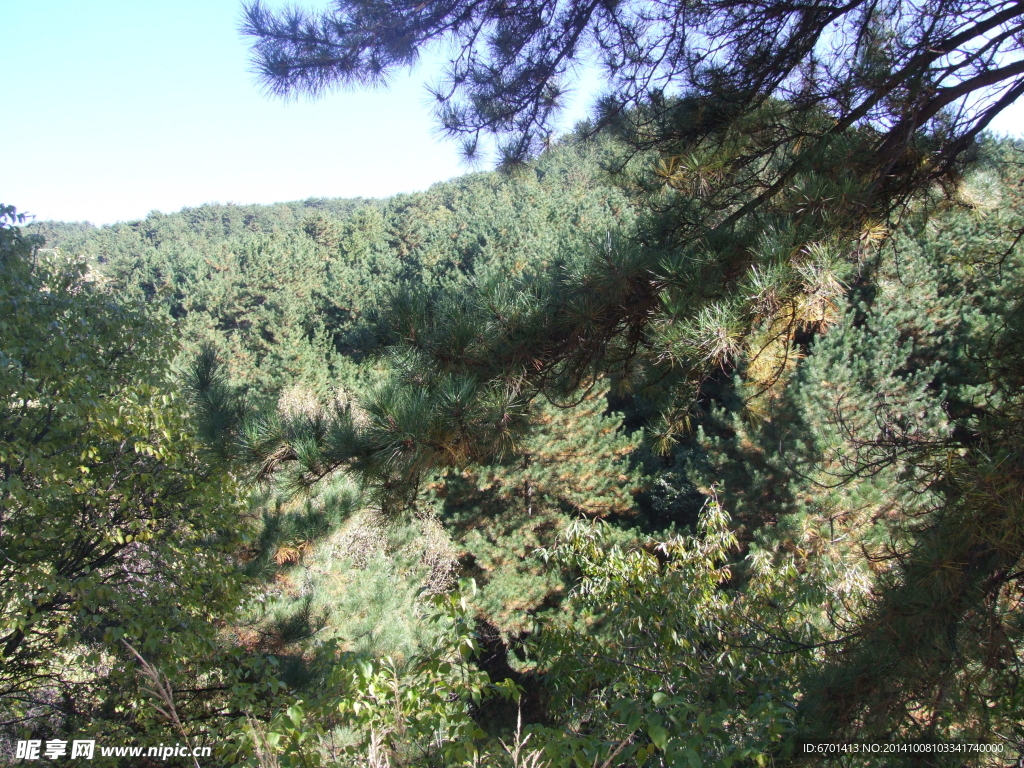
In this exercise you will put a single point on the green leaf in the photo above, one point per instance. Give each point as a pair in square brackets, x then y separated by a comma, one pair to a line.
[658, 736]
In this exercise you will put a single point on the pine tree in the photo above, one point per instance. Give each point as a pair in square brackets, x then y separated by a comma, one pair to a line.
[574, 463]
[877, 468]
[784, 143]
[895, 70]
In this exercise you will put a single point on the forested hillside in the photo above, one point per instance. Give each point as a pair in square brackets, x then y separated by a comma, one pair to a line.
[293, 292]
[691, 438]
[402, 583]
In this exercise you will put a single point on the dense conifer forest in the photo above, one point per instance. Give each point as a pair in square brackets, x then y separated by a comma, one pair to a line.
[689, 438]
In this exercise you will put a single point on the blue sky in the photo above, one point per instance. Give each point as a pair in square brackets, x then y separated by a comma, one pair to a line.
[114, 108]
[126, 106]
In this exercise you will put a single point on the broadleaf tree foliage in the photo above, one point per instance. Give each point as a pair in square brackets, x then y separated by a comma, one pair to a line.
[111, 526]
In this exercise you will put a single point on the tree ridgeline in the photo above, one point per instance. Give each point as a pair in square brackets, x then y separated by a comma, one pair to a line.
[294, 292]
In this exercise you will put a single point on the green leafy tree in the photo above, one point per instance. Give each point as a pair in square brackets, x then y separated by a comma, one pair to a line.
[658, 662]
[414, 711]
[111, 526]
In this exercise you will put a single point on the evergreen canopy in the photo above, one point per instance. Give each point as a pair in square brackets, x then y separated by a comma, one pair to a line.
[785, 157]
[786, 140]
